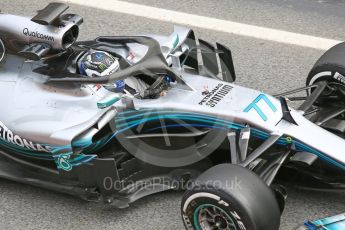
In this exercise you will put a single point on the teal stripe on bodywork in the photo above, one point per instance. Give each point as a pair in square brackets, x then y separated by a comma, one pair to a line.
[216, 121]
[329, 223]
[130, 119]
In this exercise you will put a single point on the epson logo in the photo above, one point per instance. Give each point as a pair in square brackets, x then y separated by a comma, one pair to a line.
[36, 34]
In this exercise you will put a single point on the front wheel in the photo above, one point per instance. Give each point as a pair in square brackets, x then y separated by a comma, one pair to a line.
[230, 197]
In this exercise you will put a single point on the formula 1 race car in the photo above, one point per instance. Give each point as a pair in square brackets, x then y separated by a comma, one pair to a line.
[121, 117]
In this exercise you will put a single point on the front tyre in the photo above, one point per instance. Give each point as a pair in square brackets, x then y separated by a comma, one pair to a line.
[230, 197]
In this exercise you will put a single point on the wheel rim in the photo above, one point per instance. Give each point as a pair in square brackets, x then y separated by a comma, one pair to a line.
[211, 217]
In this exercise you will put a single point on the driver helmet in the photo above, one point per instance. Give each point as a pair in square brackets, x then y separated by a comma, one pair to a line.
[98, 64]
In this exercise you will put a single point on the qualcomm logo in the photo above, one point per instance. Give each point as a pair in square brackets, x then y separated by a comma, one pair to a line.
[254, 106]
[37, 34]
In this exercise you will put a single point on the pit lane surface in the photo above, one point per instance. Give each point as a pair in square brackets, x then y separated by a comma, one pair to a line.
[261, 64]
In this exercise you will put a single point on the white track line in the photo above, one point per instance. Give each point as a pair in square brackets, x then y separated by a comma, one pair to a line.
[210, 23]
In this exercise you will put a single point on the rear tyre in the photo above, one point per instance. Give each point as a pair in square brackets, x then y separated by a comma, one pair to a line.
[230, 197]
[330, 67]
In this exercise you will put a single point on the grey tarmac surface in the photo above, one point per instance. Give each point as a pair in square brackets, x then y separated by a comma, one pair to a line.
[268, 66]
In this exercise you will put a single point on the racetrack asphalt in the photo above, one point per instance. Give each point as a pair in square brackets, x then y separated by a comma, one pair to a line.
[269, 66]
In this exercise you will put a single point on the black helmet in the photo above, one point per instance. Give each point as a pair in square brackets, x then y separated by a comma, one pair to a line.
[98, 63]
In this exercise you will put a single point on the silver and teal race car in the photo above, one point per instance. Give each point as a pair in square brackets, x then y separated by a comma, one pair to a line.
[118, 118]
